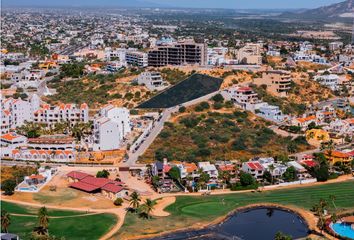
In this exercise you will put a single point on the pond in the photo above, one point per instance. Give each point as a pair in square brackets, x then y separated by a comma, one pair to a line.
[252, 224]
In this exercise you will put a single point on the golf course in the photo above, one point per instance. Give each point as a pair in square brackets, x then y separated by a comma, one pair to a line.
[62, 224]
[190, 211]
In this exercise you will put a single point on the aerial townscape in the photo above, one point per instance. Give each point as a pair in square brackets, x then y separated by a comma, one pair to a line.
[177, 120]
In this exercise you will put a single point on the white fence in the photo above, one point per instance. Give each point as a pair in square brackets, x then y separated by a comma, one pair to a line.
[307, 181]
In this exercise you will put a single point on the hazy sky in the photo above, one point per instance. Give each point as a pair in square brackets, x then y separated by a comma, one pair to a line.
[257, 4]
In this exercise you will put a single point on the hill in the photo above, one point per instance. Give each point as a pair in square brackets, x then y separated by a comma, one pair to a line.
[216, 131]
[339, 10]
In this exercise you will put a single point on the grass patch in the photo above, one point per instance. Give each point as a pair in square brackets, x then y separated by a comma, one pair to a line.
[189, 211]
[68, 227]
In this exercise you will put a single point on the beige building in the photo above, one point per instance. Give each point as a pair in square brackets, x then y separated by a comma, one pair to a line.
[277, 82]
[250, 54]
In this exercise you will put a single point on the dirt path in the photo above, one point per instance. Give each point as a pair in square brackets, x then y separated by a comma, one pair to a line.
[70, 216]
[161, 205]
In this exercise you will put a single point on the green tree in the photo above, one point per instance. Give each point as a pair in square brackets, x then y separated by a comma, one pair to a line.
[148, 207]
[290, 174]
[282, 236]
[102, 174]
[175, 173]
[8, 186]
[5, 221]
[118, 202]
[43, 218]
[218, 98]
[246, 179]
[135, 200]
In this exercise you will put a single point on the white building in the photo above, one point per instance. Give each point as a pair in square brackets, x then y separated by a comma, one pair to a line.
[11, 141]
[330, 81]
[136, 58]
[271, 113]
[250, 54]
[245, 97]
[16, 111]
[71, 113]
[209, 168]
[110, 128]
[254, 168]
[152, 80]
[216, 55]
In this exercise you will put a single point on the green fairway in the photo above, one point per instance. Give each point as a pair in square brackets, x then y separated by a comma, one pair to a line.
[189, 211]
[69, 225]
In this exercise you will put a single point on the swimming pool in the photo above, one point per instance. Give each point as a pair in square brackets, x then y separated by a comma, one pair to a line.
[344, 230]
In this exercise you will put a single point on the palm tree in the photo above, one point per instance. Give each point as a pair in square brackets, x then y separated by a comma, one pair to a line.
[43, 218]
[333, 198]
[271, 169]
[5, 221]
[135, 200]
[148, 206]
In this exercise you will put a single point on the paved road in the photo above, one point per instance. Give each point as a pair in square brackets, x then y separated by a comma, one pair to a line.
[158, 126]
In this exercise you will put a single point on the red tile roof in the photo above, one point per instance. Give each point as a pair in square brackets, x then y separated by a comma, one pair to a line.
[227, 167]
[78, 175]
[166, 168]
[309, 163]
[110, 187]
[98, 182]
[10, 136]
[255, 166]
[84, 186]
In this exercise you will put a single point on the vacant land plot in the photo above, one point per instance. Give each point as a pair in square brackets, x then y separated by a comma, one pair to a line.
[66, 224]
[195, 211]
[193, 87]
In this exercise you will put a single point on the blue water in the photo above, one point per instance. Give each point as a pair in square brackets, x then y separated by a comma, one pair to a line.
[253, 224]
[343, 230]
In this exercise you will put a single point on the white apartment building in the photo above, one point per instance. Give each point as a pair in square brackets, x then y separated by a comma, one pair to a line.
[136, 58]
[16, 111]
[11, 141]
[152, 80]
[216, 55]
[110, 127]
[330, 81]
[51, 115]
[250, 54]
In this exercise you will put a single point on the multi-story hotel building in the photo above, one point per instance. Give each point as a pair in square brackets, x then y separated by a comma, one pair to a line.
[180, 53]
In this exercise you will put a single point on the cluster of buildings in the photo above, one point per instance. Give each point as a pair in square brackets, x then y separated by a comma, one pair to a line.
[110, 127]
[16, 112]
[85, 182]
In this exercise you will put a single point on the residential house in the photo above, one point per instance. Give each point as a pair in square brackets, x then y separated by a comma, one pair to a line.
[209, 168]
[331, 81]
[335, 156]
[254, 168]
[278, 82]
[270, 112]
[152, 80]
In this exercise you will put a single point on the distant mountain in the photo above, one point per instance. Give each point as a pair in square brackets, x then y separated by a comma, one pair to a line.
[79, 3]
[339, 10]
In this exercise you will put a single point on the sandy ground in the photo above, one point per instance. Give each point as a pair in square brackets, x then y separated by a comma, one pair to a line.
[161, 205]
[70, 199]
